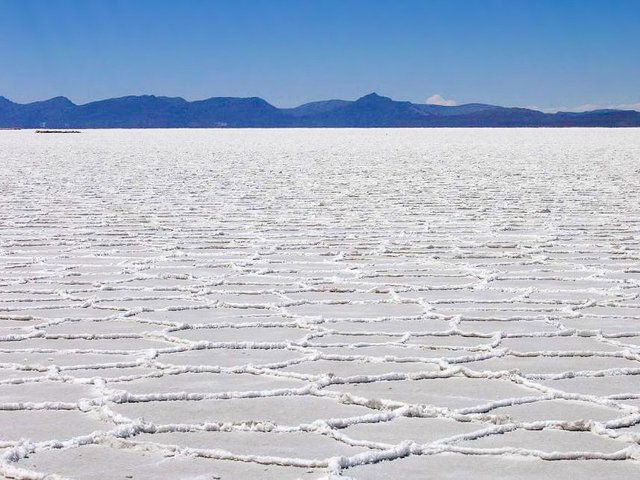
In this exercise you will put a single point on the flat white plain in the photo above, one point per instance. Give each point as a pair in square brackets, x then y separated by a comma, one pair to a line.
[281, 304]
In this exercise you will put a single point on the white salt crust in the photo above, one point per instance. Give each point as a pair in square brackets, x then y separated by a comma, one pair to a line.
[320, 304]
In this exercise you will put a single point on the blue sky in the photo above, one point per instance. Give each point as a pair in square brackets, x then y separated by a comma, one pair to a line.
[560, 53]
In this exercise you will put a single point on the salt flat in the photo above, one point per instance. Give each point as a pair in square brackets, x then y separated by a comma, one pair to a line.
[283, 304]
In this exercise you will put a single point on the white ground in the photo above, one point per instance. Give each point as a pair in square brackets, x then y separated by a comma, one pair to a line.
[281, 304]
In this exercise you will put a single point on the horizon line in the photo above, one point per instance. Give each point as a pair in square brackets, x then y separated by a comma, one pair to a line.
[585, 108]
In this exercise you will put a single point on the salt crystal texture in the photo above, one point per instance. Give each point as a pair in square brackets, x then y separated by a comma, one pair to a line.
[364, 304]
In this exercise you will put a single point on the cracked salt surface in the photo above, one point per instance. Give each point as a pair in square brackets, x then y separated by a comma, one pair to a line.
[284, 304]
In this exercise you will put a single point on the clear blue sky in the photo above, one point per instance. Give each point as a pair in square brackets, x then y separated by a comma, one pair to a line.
[541, 53]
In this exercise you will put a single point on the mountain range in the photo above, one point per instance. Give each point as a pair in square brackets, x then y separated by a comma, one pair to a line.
[149, 111]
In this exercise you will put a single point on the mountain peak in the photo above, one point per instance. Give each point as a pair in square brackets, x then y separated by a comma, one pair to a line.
[373, 97]
[59, 101]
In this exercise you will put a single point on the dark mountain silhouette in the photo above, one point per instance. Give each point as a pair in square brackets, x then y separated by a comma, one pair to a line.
[235, 112]
[149, 111]
[370, 111]
[145, 111]
[316, 107]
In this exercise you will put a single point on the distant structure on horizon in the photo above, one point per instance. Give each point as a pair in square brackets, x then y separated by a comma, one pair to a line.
[149, 111]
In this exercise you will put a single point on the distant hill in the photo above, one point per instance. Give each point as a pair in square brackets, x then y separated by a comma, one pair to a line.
[149, 111]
